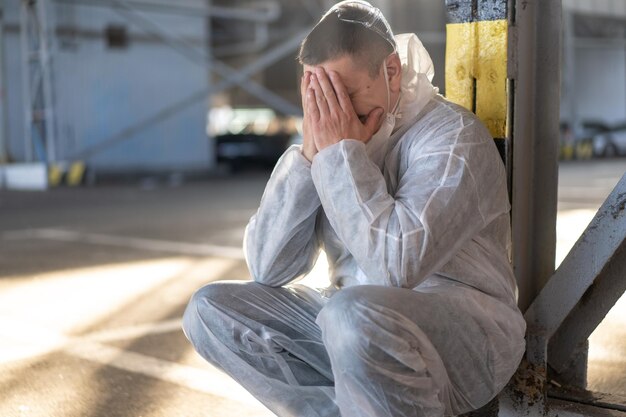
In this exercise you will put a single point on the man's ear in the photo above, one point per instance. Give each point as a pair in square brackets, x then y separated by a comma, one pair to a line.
[394, 71]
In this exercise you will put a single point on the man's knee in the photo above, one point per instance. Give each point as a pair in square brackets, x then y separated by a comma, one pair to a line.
[346, 318]
[200, 310]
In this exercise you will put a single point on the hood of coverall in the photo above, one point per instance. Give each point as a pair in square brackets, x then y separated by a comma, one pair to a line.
[417, 74]
[416, 90]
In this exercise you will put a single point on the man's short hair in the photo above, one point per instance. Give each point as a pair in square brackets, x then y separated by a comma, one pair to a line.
[333, 38]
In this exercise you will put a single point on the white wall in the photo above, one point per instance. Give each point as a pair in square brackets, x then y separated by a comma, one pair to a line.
[601, 84]
[596, 88]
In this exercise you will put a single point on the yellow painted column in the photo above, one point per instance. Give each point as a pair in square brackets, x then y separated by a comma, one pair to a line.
[476, 70]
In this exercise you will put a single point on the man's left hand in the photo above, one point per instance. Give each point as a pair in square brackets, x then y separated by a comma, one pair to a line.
[332, 113]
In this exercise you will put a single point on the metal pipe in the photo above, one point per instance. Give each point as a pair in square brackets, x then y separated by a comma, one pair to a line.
[208, 46]
[26, 93]
[260, 42]
[535, 144]
[261, 11]
[46, 64]
[3, 145]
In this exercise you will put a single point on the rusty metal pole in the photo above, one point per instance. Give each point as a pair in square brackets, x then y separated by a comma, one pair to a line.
[536, 63]
[535, 58]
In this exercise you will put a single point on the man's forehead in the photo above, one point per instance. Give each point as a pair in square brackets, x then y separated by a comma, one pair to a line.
[354, 78]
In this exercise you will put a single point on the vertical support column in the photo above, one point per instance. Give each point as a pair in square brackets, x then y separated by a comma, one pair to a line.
[537, 89]
[26, 80]
[3, 127]
[569, 69]
[39, 126]
[46, 72]
[209, 55]
[536, 86]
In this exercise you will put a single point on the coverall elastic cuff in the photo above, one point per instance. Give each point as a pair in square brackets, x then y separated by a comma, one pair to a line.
[299, 164]
[294, 168]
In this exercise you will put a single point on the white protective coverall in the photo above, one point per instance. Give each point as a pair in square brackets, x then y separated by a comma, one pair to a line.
[420, 318]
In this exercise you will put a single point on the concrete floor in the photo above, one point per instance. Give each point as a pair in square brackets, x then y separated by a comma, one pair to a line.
[93, 283]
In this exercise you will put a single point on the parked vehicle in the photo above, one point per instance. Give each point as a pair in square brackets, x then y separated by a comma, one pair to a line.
[583, 137]
[610, 143]
[250, 150]
[249, 137]
[588, 128]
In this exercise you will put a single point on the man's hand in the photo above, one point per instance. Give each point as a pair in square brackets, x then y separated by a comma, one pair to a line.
[308, 144]
[332, 116]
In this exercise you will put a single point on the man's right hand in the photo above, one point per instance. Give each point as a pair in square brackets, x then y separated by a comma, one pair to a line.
[308, 143]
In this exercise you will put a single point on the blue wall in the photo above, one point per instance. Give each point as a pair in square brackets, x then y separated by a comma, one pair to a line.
[99, 91]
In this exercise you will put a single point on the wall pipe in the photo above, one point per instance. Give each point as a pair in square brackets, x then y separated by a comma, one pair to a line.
[263, 11]
[4, 157]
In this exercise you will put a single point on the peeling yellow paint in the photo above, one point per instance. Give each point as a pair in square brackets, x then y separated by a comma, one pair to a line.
[476, 62]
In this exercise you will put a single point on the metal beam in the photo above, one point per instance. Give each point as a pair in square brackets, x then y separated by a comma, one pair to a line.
[312, 7]
[265, 11]
[259, 42]
[200, 58]
[587, 284]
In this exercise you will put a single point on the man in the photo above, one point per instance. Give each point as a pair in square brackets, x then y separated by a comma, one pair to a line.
[406, 194]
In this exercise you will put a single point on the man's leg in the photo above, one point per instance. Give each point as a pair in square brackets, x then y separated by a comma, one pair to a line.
[398, 352]
[266, 339]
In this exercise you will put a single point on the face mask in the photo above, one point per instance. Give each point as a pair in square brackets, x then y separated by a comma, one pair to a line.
[376, 147]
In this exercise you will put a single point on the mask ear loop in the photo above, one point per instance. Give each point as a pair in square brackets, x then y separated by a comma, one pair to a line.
[387, 85]
[395, 107]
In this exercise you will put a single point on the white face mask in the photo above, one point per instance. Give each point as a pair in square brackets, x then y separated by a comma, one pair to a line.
[376, 147]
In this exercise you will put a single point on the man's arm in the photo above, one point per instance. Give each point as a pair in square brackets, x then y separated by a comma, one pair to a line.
[280, 241]
[441, 202]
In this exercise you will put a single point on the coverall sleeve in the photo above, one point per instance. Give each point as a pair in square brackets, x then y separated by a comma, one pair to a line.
[440, 203]
[280, 241]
